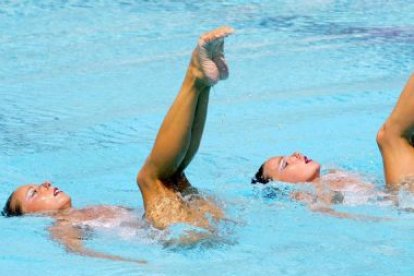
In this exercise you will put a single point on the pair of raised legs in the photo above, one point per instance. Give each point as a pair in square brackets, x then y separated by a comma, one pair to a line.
[162, 178]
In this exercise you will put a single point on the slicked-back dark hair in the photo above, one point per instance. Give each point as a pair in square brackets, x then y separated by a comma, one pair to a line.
[8, 211]
[259, 178]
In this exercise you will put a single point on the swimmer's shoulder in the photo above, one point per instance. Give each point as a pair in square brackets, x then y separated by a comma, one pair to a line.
[344, 181]
[95, 212]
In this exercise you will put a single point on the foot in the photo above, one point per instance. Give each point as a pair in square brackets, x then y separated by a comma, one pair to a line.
[208, 57]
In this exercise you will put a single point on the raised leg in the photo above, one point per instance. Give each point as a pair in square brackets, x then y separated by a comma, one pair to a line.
[197, 129]
[174, 137]
[394, 139]
[180, 133]
[210, 54]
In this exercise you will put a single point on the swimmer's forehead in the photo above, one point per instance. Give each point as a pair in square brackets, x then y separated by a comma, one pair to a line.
[24, 189]
[26, 186]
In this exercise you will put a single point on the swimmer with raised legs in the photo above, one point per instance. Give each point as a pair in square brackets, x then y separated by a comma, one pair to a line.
[167, 194]
[395, 141]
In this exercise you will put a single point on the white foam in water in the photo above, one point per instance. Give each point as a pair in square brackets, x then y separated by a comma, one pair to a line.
[129, 226]
[405, 198]
[125, 223]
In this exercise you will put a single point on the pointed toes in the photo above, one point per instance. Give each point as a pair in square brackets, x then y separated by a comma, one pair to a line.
[217, 34]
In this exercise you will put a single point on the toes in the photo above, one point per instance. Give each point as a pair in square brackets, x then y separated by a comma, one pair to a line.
[211, 55]
[224, 31]
[219, 33]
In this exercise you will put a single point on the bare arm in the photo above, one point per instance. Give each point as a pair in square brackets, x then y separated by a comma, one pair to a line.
[71, 239]
[327, 210]
[323, 205]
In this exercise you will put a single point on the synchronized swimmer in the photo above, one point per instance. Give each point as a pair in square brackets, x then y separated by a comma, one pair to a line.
[395, 142]
[168, 196]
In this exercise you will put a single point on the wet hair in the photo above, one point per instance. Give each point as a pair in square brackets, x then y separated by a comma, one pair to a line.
[259, 177]
[8, 211]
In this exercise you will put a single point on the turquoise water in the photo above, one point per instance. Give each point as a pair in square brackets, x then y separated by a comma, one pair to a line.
[84, 86]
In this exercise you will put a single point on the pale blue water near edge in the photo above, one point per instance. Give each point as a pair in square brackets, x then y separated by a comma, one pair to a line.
[84, 86]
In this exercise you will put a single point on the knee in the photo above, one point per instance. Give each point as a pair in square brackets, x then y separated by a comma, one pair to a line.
[142, 178]
[381, 136]
[386, 135]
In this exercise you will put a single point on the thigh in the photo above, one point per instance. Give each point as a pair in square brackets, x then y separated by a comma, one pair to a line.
[398, 160]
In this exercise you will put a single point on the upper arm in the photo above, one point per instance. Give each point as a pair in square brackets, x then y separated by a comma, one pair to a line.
[304, 197]
[326, 210]
[68, 236]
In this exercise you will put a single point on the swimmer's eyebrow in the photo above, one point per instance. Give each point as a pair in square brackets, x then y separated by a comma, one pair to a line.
[281, 163]
[28, 191]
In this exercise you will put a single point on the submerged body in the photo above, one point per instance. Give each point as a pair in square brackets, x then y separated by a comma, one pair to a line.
[181, 206]
[97, 216]
[340, 187]
[72, 226]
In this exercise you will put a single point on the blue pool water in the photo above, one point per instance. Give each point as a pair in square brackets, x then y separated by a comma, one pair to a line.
[84, 86]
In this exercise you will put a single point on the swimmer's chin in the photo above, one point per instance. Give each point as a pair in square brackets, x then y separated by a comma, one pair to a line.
[65, 209]
[316, 177]
[66, 205]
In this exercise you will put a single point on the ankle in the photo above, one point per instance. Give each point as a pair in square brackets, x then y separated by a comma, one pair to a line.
[197, 74]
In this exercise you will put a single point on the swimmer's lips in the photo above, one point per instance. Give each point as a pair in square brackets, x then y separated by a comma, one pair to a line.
[56, 191]
[307, 160]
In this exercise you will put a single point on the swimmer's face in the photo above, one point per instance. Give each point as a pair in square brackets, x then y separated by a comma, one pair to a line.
[293, 168]
[40, 198]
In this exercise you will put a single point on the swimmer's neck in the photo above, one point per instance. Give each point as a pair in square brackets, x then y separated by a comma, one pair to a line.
[62, 213]
[316, 180]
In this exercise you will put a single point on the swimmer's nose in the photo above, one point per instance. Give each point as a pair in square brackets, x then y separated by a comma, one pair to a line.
[46, 184]
[299, 156]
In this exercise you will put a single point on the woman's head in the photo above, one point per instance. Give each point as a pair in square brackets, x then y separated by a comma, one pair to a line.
[291, 168]
[34, 198]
